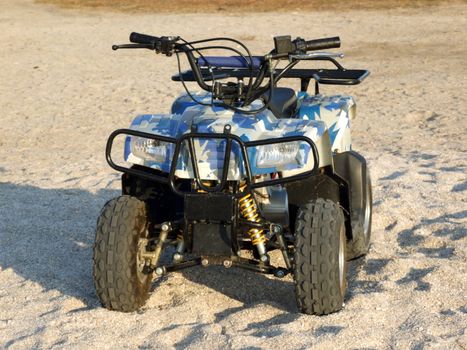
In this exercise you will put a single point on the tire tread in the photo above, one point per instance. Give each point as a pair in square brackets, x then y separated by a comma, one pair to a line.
[119, 228]
[317, 238]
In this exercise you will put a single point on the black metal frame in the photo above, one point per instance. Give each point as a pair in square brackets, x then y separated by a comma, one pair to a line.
[235, 261]
[189, 137]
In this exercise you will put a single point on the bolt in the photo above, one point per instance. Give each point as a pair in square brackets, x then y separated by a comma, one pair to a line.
[159, 271]
[165, 226]
[264, 258]
[279, 273]
[177, 257]
[276, 229]
[227, 263]
[205, 262]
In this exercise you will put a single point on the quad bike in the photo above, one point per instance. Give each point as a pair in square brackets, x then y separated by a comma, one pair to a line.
[238, 170]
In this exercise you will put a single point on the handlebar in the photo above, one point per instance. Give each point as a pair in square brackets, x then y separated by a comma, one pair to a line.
[285, 48]
[323, 44]
[138, 38]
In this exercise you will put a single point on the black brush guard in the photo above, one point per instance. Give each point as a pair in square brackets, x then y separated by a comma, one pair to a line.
[170, 180]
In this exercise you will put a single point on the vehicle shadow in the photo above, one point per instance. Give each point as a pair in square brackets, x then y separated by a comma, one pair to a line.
[247, 287]
[252, 288]
[364, 284]
[46, 236]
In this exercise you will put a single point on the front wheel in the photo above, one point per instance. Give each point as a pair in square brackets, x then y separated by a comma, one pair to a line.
[118, 273]
[320, 263]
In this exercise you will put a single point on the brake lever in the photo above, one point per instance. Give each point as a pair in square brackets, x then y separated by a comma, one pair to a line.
[312, 55]
[134, 46]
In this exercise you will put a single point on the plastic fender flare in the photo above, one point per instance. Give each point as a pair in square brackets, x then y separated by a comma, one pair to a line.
[325, 185]
[314, 187]
[351, 167]
[342, 182]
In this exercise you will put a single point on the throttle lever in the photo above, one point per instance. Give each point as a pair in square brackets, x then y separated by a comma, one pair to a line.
[133, 46]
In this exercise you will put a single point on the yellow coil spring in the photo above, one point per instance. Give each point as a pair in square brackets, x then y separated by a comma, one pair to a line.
[250, 212]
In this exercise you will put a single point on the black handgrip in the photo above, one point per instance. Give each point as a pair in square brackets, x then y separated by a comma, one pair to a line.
[323, 44]
[143, 38]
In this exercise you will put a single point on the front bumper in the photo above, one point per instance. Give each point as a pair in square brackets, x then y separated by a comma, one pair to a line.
[171, 179]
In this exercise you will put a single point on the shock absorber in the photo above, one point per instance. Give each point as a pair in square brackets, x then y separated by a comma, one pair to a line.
[249, 211]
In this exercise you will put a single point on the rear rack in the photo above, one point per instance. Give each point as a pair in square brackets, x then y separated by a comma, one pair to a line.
[322, 76]
[337, 76]
[170, 179]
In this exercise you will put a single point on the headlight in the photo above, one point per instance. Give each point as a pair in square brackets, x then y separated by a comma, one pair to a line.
[280, 154]
[151, 150]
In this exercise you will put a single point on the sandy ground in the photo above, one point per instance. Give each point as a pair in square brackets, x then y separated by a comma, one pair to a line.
[63, 91]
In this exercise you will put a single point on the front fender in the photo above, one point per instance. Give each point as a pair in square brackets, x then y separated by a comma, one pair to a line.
[205, 119]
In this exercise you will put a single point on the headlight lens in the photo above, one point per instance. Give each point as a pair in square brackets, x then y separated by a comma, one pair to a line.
[280, 154]
[151, 150]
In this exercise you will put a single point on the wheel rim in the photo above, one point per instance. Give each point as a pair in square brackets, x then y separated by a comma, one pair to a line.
[342, 260]
[140, 261]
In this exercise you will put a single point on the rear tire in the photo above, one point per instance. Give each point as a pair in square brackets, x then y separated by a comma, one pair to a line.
[320, 263]
[361, 223]
[119, 283]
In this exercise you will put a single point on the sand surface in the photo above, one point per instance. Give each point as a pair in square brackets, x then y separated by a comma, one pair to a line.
[62, 91]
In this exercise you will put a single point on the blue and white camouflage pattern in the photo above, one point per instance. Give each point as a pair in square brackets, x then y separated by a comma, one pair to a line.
[324, 120]
[335, 111]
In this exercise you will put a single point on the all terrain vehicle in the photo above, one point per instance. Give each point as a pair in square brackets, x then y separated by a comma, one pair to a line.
[238, 170]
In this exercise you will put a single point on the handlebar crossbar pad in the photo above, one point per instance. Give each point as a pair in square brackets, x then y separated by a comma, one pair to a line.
[143, 38]
[323, 44]
[229, 62]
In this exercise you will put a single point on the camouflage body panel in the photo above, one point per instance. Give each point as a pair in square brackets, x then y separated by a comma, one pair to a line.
[264, 125]
[335, 111]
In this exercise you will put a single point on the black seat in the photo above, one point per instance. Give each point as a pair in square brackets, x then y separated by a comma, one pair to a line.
[284, 102]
